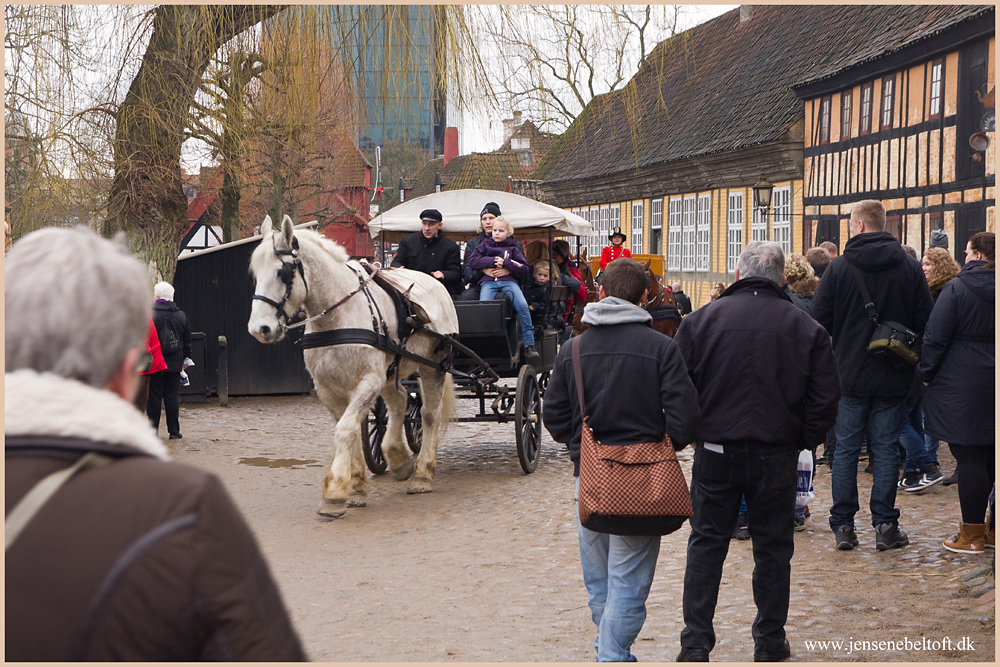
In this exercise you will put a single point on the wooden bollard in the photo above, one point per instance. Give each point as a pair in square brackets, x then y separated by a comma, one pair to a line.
[223, 379]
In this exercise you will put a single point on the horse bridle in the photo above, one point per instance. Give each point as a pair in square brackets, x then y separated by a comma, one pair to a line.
[287, 275]
[660, 296]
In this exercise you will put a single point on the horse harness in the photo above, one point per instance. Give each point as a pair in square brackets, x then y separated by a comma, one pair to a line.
[378, 336]
[287, 275]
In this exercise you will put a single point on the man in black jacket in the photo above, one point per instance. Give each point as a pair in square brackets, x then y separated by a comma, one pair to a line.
[431, 252]
[874, 390]
[681, 299]
[636, 387]
[767, 388]
[174, 332]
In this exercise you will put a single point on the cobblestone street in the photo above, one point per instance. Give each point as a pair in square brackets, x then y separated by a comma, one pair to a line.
[486, 567]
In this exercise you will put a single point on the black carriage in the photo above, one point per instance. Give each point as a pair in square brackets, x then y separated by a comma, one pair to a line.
[489, 362]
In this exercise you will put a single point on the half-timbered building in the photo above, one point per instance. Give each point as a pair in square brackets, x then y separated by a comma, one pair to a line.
[671, 158]
[910, 123]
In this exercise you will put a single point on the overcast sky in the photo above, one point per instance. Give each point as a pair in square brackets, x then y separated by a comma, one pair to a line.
[483, 133]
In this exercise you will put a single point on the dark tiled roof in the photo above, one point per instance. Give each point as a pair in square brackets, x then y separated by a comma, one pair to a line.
[723, 85]
[485, 171]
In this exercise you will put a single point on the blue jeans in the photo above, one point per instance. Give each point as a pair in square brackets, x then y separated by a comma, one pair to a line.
[883, 420]
[912, 438]
[490, 288]
[932, 445]
[767, 477]
[618, 572]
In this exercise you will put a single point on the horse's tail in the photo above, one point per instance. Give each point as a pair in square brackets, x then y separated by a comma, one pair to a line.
[447, 405]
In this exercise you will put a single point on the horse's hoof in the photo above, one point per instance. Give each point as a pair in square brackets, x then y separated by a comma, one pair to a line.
[404, 471]
[332, 508]
[419, 485]
[357, 500]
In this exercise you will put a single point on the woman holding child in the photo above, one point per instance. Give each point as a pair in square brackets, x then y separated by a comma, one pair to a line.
[503, 266]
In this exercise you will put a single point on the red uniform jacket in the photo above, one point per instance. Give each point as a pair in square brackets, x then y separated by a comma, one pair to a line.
[611, 253]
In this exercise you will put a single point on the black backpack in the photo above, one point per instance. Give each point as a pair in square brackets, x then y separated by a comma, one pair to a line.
[171, 340]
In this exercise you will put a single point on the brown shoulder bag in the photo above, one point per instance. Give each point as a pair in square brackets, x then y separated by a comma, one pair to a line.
[628, 489]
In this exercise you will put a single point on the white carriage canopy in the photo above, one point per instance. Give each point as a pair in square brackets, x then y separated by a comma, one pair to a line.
[460, 210]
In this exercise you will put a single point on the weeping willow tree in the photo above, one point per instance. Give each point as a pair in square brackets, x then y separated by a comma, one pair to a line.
[109, 106]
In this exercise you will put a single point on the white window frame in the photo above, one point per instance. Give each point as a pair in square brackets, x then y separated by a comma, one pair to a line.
[605, 228]
[689, 233]
[758, 224]
[637, 211]
[704, 233]
[674, 219]
[656, 223]
[781, 222]
[734, 230]
[937, 72]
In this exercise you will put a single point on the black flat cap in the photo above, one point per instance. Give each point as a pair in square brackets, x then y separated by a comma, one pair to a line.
[431, 215]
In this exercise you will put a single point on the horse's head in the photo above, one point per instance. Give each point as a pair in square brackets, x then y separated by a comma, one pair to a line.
[280, 282]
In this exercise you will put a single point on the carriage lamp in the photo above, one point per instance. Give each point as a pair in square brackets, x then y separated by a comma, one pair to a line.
[762, 193]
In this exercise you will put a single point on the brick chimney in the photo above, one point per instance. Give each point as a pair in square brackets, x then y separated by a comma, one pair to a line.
[510, 125]
[746, 13]
[450, 144]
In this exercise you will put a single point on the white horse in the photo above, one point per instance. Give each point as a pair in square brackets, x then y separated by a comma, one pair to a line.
[313, 272]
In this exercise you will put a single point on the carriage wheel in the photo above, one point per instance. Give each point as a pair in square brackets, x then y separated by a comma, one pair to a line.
[528, 419]
[372, 434]
[412, 423]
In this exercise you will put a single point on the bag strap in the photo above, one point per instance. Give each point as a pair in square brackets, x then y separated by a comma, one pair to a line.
[40, 493]
[869, 304]
[577, 373]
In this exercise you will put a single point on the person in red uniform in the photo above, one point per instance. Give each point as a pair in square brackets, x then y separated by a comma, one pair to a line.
[615, 250]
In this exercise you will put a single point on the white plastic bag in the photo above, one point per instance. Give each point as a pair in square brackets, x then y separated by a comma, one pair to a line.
[804, 492]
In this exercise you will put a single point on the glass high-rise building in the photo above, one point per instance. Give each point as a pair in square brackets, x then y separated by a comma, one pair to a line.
[393, 52]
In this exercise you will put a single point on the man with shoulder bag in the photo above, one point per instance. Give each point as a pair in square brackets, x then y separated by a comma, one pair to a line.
[767, 388]
[874, 301]
[632, 407]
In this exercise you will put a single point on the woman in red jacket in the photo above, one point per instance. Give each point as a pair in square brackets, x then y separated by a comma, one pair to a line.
[156, 364]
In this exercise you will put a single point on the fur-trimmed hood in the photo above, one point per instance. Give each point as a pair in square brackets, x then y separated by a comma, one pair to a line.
[50, 405]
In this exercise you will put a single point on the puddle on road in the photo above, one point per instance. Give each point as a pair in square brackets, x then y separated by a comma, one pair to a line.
[262, 462]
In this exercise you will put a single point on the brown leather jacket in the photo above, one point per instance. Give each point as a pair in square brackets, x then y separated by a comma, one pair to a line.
[141, 560]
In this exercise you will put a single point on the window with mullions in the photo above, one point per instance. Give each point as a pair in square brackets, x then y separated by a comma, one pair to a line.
[867, 90]
[656, 227]
[937, 75]
[689, 235]
[637, 227]
[704, 232]
[824, 120]
[758, 225]
[614, 219]
[781, 225]
[734, 232]
[674, 234]
[845, 114]
[888, 86]
[605, 228]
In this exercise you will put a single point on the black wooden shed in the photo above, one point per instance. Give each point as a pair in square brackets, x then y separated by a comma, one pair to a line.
[214, 288]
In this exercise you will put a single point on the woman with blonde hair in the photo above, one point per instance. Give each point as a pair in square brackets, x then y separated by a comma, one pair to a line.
[939, 267]
[802, 281]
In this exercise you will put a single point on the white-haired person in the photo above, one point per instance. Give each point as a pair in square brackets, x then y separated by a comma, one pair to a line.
[121, 555]
[174, 332]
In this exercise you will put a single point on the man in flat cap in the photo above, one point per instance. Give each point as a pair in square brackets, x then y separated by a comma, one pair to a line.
[431, 252]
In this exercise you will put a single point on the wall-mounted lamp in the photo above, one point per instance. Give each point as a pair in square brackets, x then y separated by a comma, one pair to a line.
[762, 193]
